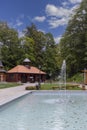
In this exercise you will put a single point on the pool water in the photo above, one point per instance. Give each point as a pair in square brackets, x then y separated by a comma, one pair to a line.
[46, 111]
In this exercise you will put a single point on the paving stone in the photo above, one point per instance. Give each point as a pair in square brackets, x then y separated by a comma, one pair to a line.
[9, 94]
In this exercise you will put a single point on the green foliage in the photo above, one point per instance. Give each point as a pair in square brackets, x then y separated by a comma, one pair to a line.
[10, 52]
[39, 47]
[44, 51]
[27, 45]
[78, 78]
[74, 41]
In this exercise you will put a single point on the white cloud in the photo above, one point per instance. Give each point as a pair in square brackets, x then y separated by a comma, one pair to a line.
[57, 39]
[59, 16]
[18, 23]
[20, 34]
[40, 18]
[65, 3]
[74, 7]
[75, 1]
[52, 10]
[19, 20]
[41, 30]
[58, 22]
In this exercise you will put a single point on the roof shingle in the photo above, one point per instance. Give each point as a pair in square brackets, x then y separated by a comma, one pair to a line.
[23, 69]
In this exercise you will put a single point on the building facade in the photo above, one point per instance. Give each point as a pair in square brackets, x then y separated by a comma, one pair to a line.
[25, 73]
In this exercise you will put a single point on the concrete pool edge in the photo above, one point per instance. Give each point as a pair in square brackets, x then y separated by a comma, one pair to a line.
[59, 91]
[7, 101]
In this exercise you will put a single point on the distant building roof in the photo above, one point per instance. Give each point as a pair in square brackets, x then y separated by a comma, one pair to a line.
[26, 60]
[23, 69]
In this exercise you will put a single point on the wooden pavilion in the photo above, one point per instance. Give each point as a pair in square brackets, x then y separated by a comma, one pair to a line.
[25, 73]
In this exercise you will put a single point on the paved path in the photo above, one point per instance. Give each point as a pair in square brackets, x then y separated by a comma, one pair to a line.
[9, 94]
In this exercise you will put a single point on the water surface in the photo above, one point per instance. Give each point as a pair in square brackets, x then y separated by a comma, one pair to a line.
[46, 111]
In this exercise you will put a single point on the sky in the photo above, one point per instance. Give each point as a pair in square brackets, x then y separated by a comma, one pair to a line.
[48, 15]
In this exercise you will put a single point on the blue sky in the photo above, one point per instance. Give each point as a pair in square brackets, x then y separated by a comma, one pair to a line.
[48, 15]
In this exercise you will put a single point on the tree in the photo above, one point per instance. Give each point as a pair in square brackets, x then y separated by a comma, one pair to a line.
[39, 47]
[27, 44]
[74, 41]
[50, 55]
[44, 49]
[10, 46]
[37, 36]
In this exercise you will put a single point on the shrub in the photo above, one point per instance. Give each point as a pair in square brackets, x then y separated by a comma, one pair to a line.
[76, 78]
[30, 88]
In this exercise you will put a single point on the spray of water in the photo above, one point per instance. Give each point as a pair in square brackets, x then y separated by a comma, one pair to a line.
[63, 76]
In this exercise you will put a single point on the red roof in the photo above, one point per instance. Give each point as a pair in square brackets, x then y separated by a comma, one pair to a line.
[24, 69]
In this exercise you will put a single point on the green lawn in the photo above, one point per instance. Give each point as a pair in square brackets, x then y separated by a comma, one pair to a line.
[46, 86]
[51, 86]
[8, 85]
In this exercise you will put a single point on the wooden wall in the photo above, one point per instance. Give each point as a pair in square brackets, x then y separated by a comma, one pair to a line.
[2, 77]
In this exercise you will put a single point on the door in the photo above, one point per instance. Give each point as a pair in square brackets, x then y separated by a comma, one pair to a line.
[23, 78]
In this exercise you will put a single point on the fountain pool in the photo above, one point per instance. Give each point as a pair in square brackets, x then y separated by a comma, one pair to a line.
[46, 111]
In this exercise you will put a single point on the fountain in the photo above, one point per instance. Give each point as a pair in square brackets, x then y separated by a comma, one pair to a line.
[64, 98]
[62, 82]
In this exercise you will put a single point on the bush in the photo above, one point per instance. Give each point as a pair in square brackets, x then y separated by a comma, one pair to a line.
[30, 88]
[76, 78]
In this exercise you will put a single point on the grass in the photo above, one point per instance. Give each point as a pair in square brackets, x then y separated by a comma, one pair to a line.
[8, 85]
[50, 86]
[46, 86]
